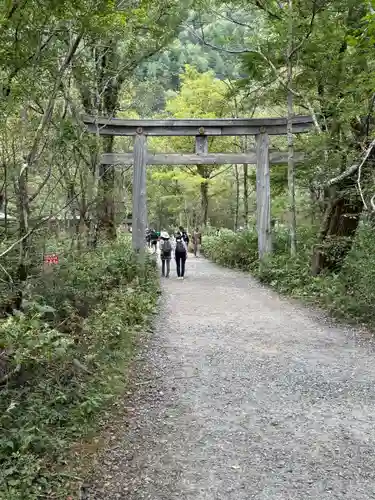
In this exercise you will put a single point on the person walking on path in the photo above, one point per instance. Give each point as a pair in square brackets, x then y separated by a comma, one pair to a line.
[165, 253]
[148, 237]
[185, 236]
[197, 241]
[180, 254]
[154, 240]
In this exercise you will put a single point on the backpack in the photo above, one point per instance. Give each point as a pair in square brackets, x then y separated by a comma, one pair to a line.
[166, 248]
[180, 247]
[154, 236]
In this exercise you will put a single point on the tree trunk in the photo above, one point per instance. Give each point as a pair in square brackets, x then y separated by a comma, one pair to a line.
[204, 172]
[313, 204]
[236, 209]
[338, 230]
[204, 203]
[106, 212]
[289, 126]
[4, 204]
[343, 207]
[23, 214]
[245, 196]
[291, 179]
[101, 97]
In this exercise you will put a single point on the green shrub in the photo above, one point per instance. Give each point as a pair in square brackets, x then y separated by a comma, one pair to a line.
[231, 249]
[66, 358]
[348, 293]
[357, 277]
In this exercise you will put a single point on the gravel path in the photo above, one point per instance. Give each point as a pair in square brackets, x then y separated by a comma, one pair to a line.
[250, 397]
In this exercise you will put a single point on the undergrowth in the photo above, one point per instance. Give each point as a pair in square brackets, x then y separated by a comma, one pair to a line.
[66, 359]
[348, 294]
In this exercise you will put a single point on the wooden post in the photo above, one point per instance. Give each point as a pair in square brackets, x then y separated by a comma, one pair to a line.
[201, 148]
[139, 191]
[201, 144]
[263, 196]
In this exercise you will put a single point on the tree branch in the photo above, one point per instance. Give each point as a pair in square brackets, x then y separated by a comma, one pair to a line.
[368, 152]
[307, 35]
[352, 169]
[193, 172]
[51, 103]
[272, 66]
[42, 184]
[221, 172]
[261, 6]
[215, 47]
[39, 224]
[22, 65]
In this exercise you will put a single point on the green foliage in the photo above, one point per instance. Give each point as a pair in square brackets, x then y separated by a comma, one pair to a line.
[357, 277]
[348, 294]
[166, 68]
[231, 249]
[201, 96]
[66, 358]
[31, 341]
[176, 191]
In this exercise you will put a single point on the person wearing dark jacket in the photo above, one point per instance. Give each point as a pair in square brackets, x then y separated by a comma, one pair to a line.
[148, 237]
[185, 236]
[180, 254]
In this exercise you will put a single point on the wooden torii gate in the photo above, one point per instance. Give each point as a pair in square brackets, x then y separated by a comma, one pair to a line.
[201, 129]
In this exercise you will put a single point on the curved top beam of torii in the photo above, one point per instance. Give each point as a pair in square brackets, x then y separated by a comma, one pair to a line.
[196, 126]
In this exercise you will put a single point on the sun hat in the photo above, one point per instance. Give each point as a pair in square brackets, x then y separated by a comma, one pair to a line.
[164, 235]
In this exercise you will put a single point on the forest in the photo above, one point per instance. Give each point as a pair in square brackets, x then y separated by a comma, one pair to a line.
[69, 326]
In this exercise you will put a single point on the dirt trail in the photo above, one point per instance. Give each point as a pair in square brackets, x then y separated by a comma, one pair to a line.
[250, 397]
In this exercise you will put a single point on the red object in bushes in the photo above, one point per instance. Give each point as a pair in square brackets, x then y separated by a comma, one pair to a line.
[51, 259]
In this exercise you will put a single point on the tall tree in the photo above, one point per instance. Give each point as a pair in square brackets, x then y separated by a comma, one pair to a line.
[290, 138]
[103, 68]
[202, 96]
[327, 53]
[36, 54]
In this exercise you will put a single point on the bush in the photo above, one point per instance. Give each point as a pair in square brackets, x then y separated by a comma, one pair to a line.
[356, 279]
[348, 294]
[239, 250]
[65, 359]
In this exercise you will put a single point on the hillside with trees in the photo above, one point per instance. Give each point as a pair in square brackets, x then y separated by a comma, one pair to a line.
[171, 59]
